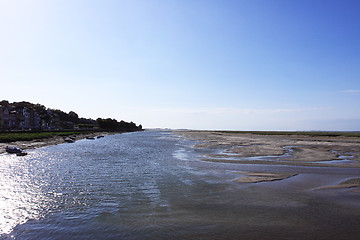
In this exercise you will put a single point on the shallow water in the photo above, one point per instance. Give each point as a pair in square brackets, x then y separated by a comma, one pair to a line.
[151, 185]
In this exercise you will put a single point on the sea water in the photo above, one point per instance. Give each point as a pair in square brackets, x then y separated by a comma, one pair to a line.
[153, 185]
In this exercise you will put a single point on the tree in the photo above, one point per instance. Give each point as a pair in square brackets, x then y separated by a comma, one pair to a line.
[113, 125]
[73, 117]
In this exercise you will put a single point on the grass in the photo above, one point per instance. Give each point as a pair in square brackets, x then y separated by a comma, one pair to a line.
[312, 134]
[29, 136]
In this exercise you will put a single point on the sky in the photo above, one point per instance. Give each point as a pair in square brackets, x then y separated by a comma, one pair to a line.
[187, 64]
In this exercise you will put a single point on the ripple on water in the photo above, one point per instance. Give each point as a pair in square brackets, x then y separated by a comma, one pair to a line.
[21, 198]
[151, 185]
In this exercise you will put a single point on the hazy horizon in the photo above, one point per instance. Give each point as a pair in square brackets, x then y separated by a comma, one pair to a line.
[224, 65]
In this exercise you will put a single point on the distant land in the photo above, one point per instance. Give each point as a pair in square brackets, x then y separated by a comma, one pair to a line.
[26, 116]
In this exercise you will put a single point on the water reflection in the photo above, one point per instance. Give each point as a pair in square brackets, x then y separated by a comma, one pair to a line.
[151, 185]
[21, 198]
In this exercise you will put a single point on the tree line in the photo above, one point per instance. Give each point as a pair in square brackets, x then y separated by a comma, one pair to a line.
[29, 116]
[113, 125]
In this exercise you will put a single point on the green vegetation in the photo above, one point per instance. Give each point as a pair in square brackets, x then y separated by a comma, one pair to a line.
[25, 121]
[312, 134]
[28, 136]
[25, 116]
[113, 125]
[86, 126]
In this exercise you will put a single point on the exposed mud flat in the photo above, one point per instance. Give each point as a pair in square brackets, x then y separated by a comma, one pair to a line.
[352, 183]
[267, 154]
[279, 150]
[255, 177]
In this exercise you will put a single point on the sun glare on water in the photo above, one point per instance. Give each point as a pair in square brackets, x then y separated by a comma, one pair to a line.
[20, 196]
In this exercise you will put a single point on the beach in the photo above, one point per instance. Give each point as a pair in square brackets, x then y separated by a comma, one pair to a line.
[279, 150]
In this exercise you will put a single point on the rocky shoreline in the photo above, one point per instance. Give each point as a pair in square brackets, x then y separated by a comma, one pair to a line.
[54, 140]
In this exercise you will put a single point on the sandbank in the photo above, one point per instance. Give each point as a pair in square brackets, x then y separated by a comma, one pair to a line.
[255, 177]
[350, 183]
[291, 150]
[282, 153]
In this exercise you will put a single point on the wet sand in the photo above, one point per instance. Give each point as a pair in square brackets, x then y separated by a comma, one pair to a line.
[284, 150]
[351, 183]
[279, 150]
[255, 177]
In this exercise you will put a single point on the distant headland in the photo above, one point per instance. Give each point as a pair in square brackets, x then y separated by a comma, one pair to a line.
[26, 116]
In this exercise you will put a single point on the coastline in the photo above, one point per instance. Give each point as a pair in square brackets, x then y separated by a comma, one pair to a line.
[299, 150]
[54, 140]
[256, 150]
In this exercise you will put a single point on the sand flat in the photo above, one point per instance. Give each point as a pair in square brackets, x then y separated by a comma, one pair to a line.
[292, 150]
[350, 183]
[320, 155]
[255, 177]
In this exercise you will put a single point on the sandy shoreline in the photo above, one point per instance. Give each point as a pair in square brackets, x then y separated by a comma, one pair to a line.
[54, 140]
[283, 150]
[279, 150]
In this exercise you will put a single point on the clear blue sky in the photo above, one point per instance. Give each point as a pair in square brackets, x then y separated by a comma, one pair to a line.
[200, 64]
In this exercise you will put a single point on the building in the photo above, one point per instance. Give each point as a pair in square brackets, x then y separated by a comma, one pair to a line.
[1, 117]
[25, 116]
[4, 118]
